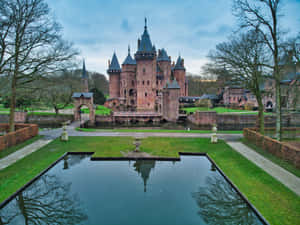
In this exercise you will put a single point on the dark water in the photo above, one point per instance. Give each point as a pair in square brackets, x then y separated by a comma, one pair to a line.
[80, 191]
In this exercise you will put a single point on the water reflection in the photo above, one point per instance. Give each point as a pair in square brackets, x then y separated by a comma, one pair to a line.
[220, 204]
[70, 161]
[47, 201]
[143, 167]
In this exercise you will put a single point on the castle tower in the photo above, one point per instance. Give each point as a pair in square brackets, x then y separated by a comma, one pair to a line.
[128, 81]
[84, 79]
[164, 64]
[114, 71]
[179, 75]
[146, 73]
[171, 94]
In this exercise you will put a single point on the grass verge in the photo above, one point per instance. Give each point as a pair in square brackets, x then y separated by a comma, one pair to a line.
[158, 131]
[277, 203]
[280, 162]
[13, 149]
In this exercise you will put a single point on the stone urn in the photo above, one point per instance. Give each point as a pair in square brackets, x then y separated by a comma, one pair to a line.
[64, 135]
[214, 138]
[137, 144]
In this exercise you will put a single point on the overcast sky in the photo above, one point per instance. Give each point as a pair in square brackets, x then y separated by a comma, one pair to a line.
[189, 27]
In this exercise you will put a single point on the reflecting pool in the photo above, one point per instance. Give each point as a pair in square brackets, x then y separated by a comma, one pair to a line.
[143, 192]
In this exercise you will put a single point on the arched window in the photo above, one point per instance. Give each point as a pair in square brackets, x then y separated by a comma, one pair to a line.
[143, 82]
[148, 82]
[146, 94]
[125, 92]
[144, 71]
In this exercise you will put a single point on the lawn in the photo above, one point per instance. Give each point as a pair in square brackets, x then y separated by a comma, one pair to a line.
[158, 131]
[100, 110]
[13, 149]
[220, 110]
[277, 204]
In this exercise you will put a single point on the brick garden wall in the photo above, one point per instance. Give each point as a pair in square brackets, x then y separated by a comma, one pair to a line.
[277, 148]
[23, 132]
[239, 121]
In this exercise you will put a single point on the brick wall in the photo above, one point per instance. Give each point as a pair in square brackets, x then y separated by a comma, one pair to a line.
[23, 132]
[277, 148]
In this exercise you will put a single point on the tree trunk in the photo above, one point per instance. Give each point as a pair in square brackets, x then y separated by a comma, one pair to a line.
[261, 117]
[56, 110]
[13, 104]
[278, 110]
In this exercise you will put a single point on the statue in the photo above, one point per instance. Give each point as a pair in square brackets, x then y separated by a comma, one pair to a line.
[214, 138]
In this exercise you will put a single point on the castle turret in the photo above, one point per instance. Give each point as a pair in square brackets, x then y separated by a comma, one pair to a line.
[84, 79]
[179, 75]
[171, 93]
[164, 62]
[114, 71]
[128, 81]
[146, 73]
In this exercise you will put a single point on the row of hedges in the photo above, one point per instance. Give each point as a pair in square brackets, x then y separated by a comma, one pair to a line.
[23, 132]
[277, 148]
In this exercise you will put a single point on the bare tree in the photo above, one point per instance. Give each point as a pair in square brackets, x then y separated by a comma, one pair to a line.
[244, 58]
[263, 15]
[31, 45]
[57, 90]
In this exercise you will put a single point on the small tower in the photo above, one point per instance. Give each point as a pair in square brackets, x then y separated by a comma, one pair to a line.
[84, 79]
[179, 75]
[164, 62]
[128, 76]
[114, 71]
[171, 94]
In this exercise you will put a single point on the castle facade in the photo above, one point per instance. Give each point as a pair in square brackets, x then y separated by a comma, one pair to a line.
[146, 79]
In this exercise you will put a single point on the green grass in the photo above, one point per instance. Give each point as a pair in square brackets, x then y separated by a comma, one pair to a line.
[280, 162]
[158, 131]
[220, 110]
[100, 110]
[277, 204]
[13, 149]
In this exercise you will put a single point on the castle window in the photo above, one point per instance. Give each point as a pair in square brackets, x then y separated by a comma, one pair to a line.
[144, 71]
[156, 92]
[143, 82]
[125, 92]
[157, 82]
[146, 94]
[148, 82]
[132, 82]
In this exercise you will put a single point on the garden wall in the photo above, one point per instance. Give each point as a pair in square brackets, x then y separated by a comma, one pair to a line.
[23, 132]
[277, 148]
[239, 121]
[49, 120]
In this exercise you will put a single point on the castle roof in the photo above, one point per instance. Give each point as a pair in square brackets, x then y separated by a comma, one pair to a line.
[145, 45]
[179, 64]
[172, 85]
[129, 60]
[114, 66]
[82, 94]
[163, 56]
[84, 74]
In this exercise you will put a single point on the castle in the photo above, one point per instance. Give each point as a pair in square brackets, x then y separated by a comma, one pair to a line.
[147, 83]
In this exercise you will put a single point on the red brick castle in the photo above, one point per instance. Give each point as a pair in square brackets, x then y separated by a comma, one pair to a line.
[149, 82]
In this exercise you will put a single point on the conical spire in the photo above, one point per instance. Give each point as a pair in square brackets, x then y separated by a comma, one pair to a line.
[84, 74]
[162, 55]
[114, 65]
[129, 60]
[179, 64]
[145, 44]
